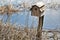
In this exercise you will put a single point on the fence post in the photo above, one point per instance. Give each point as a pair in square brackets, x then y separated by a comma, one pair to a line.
[39, 29]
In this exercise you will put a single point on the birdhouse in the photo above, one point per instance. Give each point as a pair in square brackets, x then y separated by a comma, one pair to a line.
[37, 10]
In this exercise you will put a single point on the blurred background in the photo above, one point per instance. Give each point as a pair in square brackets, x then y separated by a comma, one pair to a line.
[16, 22]
[24, 18]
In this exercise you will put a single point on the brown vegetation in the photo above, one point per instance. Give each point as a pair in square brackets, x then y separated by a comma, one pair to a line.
[11, 32]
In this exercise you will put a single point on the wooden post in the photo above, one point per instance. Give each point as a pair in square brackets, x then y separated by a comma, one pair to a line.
[39, 29]
[38, 11]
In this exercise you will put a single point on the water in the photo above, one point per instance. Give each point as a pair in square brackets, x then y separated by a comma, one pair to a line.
[51, 19]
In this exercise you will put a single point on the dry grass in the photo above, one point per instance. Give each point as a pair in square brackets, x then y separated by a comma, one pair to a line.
[10, 32]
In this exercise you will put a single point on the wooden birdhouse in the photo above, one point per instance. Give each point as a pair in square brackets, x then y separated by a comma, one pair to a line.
[37, 10]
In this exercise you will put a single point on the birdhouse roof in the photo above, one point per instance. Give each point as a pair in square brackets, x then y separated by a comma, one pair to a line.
[39, 4]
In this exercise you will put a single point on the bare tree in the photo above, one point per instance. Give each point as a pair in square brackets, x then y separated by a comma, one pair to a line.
[8, 9]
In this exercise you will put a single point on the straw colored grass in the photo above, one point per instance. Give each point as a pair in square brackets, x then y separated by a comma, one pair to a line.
[10, 32]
